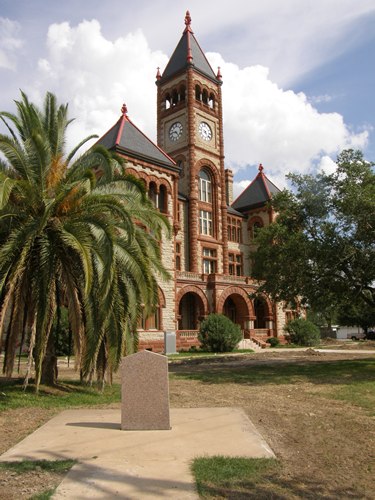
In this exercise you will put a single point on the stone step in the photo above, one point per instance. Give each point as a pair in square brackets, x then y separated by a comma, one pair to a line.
[249, 344]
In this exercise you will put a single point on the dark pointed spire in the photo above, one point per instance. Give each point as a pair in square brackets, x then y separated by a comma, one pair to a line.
[126, 138]
[188, 53]
[257, 194]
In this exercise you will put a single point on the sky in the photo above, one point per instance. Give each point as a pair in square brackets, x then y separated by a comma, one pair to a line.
[298, 75]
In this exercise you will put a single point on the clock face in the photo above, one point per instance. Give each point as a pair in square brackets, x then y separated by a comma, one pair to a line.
[175, 132]
[205, 131]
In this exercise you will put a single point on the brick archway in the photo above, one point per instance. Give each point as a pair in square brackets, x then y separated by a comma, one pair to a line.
[235, 290]
[268, 304]
[197, 291]
[211, 167]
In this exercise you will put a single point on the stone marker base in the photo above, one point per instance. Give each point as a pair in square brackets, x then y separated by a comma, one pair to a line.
[145, 392]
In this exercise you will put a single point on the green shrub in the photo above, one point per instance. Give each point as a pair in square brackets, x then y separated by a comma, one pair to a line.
[303, 332]
[273, 341]
[219, 334]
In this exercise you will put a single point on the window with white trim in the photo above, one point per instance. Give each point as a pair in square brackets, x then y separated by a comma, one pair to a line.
[205, 186]
[205, 222]
[235, 264]
[209, 260]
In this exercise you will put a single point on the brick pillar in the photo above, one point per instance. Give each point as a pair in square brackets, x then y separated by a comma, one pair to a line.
[223, 187]
[229, 186]
[193, 189]
[159, 109]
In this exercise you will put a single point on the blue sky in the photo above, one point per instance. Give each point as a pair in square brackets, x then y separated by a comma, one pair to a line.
[299, 75]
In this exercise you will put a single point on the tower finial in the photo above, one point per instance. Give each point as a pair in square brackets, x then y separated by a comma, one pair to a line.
[124, 110]
[188, 22]
[219, 75]
[260, 168]
[187, 18]
[158, 75]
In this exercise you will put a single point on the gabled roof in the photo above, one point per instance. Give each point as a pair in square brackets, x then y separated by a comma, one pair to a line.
[188, 52]
[232, 211]
[124, 137]
[257, 193]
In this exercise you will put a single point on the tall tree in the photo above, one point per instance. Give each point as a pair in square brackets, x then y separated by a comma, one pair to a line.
[357, 314]
[321, 248]
[76, 231]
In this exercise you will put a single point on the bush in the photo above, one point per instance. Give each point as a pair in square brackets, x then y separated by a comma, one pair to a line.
[303, 332]
[219, 334]
[273, 341]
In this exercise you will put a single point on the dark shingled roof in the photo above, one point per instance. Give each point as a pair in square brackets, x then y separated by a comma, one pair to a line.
[258, 193]
[182, 197]
[124, 137]
[232, 211]
[182, 57]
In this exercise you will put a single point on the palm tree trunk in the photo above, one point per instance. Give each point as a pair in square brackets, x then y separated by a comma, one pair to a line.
[49, 365]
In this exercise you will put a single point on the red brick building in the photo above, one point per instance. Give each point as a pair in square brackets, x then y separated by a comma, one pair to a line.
[186, 178]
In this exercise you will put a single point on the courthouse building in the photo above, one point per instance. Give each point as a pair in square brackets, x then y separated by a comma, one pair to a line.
[186, 177]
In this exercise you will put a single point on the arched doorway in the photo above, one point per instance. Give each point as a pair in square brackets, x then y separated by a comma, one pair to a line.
[191, 311]
[236, 309]
[261, 313]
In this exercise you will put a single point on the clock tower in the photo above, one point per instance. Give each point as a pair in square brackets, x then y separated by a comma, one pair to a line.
[190, 130]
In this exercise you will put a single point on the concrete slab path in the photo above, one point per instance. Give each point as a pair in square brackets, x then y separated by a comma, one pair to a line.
[138, 464]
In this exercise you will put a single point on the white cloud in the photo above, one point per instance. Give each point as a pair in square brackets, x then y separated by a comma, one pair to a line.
[292, 37]
[96, 75]
[327, 165]
[262, 122]
[9, 43]
[279, 128]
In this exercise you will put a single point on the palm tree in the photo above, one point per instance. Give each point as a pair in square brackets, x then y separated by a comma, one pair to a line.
[73, 231]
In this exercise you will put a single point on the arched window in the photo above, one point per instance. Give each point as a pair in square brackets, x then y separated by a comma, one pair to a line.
[163, 199]
[152, 321]
[174, 98]
[260, 308]
[167, 101]
[178, 256]
[254, 225]
[152, 193]
[205, 96]
[182, 92]
[198, 93]
[211, 101]
[255, 229]
[205, 186]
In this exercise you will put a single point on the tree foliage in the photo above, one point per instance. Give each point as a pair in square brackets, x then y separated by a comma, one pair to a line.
[218, 333]
[357, 314]
[74, 231]
[302, 332]
[321, 247]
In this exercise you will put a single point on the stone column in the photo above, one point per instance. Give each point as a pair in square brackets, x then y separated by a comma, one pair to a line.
[224, 221]
[193, 190]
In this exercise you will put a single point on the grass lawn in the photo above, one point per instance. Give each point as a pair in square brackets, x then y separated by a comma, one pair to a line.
[206, 354]
[317, 414]
[222, 476]
[68, 394]
[349, 380]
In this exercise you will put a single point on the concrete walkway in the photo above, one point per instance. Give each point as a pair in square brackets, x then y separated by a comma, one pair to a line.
[138, 464]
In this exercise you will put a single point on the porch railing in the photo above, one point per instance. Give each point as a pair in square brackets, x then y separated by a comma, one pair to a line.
[213, 278]
[261, 332]
[188, 333]
[187, 275]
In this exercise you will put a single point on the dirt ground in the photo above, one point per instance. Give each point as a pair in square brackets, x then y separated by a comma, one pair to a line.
[326, 447]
